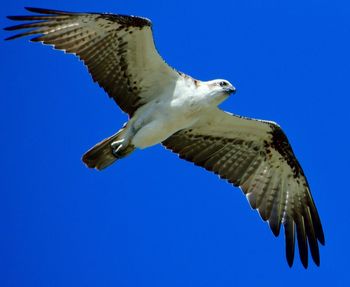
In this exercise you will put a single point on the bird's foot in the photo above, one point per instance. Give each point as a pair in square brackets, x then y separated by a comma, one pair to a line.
[121, 148]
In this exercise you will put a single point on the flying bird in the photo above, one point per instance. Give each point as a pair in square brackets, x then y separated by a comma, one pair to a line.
[169, 107]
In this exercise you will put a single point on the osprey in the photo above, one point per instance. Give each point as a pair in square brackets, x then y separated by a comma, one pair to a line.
[168, 107]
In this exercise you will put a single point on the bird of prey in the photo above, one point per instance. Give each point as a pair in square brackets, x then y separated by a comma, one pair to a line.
[168, 107]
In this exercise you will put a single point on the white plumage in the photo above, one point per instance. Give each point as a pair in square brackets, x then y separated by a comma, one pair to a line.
[168, 107]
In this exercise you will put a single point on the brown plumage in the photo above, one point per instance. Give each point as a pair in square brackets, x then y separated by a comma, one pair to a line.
[255, 155]
[260, 160]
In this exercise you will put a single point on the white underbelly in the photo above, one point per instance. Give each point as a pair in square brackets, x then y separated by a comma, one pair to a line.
[164, 116]
[160, 126]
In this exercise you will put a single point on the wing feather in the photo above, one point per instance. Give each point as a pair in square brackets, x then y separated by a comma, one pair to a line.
[118, 51]
[257, 156]
[277, 207]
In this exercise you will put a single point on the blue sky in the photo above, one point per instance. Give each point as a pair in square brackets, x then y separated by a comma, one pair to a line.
[152, 219]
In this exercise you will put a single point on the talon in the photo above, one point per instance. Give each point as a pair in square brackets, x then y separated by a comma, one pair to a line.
[115, 153]
[116, 143]
[117, 149]
[120, 147]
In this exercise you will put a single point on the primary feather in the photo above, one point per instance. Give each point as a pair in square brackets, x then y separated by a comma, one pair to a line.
[169, 107]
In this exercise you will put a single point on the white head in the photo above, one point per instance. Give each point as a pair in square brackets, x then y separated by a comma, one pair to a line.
[218, 90]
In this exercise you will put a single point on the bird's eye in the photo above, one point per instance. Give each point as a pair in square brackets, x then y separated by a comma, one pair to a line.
[223, 84]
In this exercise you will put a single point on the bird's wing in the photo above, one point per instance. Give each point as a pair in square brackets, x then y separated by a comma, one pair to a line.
[256, 156]
[118, 51]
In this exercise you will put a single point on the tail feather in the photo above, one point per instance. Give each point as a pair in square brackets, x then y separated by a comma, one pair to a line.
[101, 155]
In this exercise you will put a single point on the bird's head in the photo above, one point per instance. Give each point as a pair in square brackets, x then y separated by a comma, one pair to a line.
[219, 90]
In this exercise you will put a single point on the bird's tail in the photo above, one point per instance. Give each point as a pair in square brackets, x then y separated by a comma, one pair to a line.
[107, 152]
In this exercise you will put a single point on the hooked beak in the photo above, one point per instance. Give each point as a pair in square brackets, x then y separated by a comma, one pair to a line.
[231, 90]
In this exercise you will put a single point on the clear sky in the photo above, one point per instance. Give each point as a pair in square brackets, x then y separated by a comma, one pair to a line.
[152, 219]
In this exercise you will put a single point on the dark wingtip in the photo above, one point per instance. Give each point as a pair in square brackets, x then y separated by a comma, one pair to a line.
[36, 39]
[9, 38]
[289, 229]
[13, 37]
[38, 10]
[321, 239]
[275, 227]
[33, 9]
[317, 261]
[15, 18]
[46, 11]
[305, 263]
[290, 260]
[9, 28]
[275, 232]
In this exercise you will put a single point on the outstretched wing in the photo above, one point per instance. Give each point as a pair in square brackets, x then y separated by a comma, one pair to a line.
[118, 51]
[257, 156]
